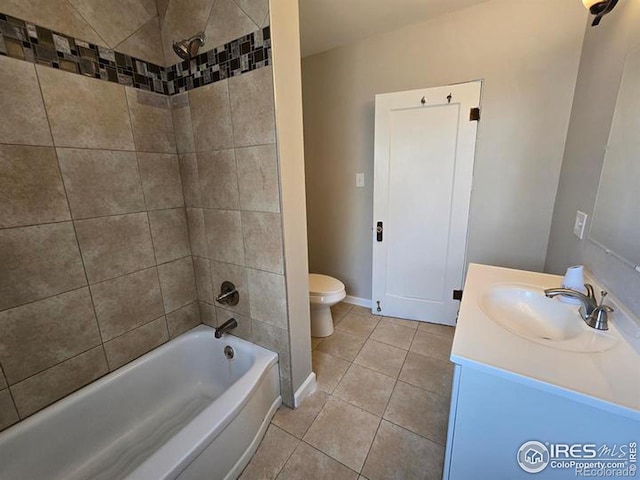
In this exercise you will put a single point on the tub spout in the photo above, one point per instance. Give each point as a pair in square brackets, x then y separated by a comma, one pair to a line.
[226, 327]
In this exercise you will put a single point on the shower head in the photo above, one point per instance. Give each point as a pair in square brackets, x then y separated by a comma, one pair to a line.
[188, 48]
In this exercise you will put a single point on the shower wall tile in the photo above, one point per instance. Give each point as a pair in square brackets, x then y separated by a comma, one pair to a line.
[268, 298]
[177, 280]
[23, 120]
[151, 121]
[127, 302]
[277, 340]
[202, 271]
[101, 182]
[125, 348]
[37, 262]
[42, 334]
[170, 234]
[258, 10]
[114, 246]
[258, 178]
[262, 233]
[95, 116]
[183, 319]
[161, 180]
[145, 44]
[32, 190]
[197, 233]
[3, 380]
[42, 389]
[190, 180]
[218, 179]
[211, 117]
[227, 21]
[8, 412]
[182, 123]
[252, 108]
[208, 314]
[237, 275]
[224, 236]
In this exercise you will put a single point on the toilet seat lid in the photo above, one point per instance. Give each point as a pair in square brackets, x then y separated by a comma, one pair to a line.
[324, 284]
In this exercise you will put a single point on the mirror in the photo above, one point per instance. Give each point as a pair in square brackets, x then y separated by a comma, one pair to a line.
[616, 217]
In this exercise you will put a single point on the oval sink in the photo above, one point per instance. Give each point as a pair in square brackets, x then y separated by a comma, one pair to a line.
[525, 311]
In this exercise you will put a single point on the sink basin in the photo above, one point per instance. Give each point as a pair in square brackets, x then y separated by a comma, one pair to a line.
[525, 311]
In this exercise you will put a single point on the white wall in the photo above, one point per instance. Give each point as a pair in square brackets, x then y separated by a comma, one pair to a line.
[528, 58]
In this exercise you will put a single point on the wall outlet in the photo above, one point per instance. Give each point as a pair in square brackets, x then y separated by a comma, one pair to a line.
[359, 179]
[581, 223]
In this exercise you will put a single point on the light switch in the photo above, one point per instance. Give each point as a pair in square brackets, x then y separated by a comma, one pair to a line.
[581, 223]
[359, 179]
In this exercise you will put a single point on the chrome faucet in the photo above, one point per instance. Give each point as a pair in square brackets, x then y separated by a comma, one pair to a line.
[596, 316]
[226, 327]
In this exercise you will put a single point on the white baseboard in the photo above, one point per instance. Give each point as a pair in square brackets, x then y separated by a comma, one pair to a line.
[361, 302]
[306, 389]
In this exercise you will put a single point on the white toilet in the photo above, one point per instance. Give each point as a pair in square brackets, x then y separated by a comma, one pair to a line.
[324, 291]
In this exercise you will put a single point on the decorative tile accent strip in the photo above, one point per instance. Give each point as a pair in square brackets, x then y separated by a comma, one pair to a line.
[26, 41]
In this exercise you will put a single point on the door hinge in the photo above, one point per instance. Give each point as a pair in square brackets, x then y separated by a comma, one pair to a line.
[474, 115]
[457, 294]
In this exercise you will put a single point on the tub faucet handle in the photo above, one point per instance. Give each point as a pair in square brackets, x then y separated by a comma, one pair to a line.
[229, 294]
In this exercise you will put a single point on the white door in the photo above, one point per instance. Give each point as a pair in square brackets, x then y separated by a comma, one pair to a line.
[424, 151]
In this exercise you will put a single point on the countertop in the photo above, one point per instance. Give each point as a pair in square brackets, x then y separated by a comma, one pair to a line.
[608, 380]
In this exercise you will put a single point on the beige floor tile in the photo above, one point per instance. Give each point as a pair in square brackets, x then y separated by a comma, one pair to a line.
[307, 463]
[393, 334]
[437, 329]
[342, 345]
[422, 412]
[366, 389]
[402, 322]
[298, 421]
[343, 432]
[398, 454]
[340, 310]
[428, 373]
[431, 345]
[315, 341]
[358, 325]
[366, 311]
[328, 369]
[381, 358]
[276, 447]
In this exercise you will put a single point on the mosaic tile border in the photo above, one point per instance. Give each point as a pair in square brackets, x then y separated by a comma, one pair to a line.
[26, 41]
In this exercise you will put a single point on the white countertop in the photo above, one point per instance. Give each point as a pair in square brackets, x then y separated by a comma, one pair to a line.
[609, 379]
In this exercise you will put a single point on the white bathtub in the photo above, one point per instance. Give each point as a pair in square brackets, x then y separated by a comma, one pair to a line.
[181, 411]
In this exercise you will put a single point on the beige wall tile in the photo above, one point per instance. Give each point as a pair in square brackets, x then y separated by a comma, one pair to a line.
[114, 246]
[256, 9]
[219, 179]
[197, 233]
[121, 350]
[178, 284]
[252, 108]
[181, 112]
[8, 412]
[85, 112]
[38, 262]
[208, 314]
[224, 236]
[151, 121]
[366, 389]
[23, 118]
[183, 319]
[273, 452]
[210, 117]
[262, 233]
[41, 334]
[221, 272]
[275, 339]
[3, 380]
[258, 178]
[227, 22]
[307, 462]
[203, 279]
[100, 182]
[161, 180]
[46, 387]
[127, 302]
[268, 298]
[170, 234]
[190, 180]
[32, 190]
[244, 328]
[145, 43]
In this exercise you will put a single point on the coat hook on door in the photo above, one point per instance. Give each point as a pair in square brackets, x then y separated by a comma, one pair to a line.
[423, 101]
[449, 97]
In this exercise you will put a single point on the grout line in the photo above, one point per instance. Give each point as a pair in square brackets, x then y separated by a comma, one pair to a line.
[88, 23]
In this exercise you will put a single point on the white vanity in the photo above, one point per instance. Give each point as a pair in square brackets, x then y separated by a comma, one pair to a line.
[537, 393]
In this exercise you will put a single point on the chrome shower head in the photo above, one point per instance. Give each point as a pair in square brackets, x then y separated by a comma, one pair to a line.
[188, 48]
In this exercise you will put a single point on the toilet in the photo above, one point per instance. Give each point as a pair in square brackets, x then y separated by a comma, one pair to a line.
[324, 292]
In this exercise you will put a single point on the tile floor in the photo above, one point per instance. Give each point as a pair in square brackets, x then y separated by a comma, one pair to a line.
[380, 411]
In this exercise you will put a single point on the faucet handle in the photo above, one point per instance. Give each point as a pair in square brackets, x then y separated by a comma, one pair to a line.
[603, 294]
[590, 292]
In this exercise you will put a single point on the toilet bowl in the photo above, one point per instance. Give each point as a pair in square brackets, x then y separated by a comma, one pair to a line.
[324, 291]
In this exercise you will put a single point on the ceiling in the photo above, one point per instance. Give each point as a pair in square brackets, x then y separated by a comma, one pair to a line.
[326, 24]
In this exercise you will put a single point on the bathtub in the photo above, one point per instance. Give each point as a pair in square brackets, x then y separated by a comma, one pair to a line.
[181, 411]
